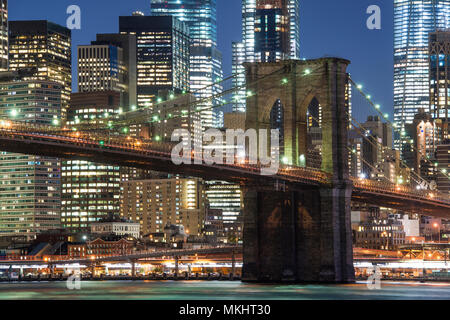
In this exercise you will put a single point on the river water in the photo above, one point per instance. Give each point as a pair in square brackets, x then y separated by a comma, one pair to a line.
[219, 290]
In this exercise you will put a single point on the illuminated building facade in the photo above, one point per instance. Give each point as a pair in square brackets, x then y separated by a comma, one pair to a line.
[423, 133]
[127, 42]
[443, 158]
[90, 191]
[157, 203]
[270, 32]
[439, 59]
[30, 186]
[45, 46]
[162, 55]
[101, 68]
[227, 198]
[413, 21]
[206, 60]
[3, 35]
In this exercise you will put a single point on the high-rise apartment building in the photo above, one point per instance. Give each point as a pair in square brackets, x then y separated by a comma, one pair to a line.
[270, 32]
[3, 35]
[413, 21]
[205, 59]
[157, 203]
[45, 46]
[162, 55]
[30, 186]
[439, 62]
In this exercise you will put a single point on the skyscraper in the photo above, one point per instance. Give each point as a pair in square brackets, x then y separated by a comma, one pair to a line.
[439, 58]
[45, 46]
[30, 186]
[157, 203]
[270, 32]
[206, 59]
[101, 67]
[90, 191]
[162, 55]
[3, 35]
[413, 21]
[128, 44]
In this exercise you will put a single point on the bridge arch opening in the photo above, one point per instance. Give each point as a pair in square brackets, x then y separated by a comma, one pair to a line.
[313, 157]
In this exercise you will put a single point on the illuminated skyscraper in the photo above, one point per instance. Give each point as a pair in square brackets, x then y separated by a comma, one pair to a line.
[45, 46]
[90, 191]
[206, 59]
[3, 35]
[30, 186]
[413, 21]
[162, 55]
[270, 32]
[439, 51]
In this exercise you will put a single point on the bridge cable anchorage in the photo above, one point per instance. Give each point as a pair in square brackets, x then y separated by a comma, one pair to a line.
[394, 126]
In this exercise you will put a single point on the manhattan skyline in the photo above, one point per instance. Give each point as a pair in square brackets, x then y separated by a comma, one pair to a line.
[327, 28]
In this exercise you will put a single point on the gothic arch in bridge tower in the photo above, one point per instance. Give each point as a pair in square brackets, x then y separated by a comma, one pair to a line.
[297, 83]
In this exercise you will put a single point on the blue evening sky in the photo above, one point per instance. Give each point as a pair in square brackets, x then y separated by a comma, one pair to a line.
[328, 28]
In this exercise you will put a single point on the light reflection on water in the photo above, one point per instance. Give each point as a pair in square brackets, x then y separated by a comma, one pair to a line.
[222, 290]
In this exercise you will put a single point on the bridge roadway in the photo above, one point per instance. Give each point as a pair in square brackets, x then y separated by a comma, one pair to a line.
[132, 257]
[132, 152]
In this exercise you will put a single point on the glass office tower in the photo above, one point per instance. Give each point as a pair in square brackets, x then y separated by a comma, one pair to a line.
[162, 55]
[30, 186]
[3, 35]
[270, 33]
[206, 59]
[439, 58]
[413, 21]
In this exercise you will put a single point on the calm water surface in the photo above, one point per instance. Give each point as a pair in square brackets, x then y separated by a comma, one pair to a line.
[209, 290]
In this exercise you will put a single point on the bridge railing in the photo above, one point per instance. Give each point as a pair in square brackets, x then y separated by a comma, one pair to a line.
[405, 191]
[163, 149]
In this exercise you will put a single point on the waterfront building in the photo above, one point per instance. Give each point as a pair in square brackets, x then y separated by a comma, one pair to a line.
[117, 226]
[30, 186]
[413, 21]
[205, 59]
[162, 55]
[45, 46]
[380, 233]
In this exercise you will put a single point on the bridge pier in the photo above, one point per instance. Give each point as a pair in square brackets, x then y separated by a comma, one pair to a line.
[298, 236]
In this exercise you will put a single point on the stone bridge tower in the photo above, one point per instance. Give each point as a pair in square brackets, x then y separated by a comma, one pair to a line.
[300, 234]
